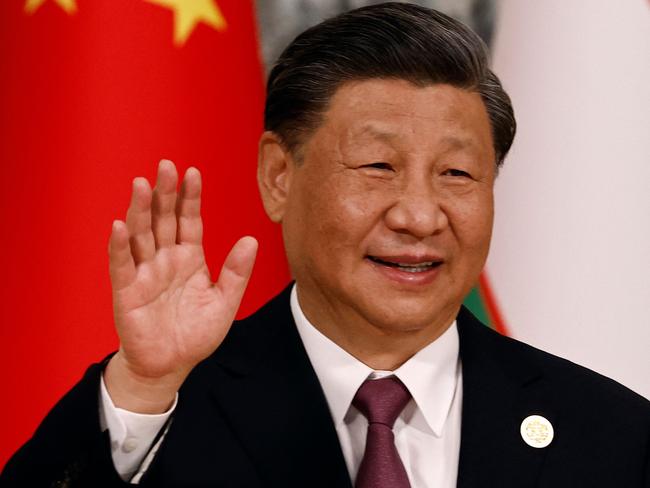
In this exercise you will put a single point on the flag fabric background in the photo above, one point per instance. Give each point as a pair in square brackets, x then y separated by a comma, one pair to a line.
[570, 257]
[92, 94]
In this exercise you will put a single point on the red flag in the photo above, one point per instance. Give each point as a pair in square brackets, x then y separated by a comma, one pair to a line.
[92, 94]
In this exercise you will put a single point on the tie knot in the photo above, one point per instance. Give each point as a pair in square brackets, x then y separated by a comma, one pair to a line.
[382, 400]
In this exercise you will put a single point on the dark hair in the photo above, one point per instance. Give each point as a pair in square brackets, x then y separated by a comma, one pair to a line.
[391, 40]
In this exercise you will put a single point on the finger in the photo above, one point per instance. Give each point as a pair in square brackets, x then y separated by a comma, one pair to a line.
[121, 264]
[188, 209]
[163, 206]
[237, 270]
[138, 222]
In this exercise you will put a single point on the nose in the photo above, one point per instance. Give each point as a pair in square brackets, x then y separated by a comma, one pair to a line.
[417, 211]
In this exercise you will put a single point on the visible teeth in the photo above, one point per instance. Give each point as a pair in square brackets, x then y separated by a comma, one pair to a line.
[413, 269]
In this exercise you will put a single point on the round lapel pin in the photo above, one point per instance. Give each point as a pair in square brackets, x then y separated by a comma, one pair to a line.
[536, 431]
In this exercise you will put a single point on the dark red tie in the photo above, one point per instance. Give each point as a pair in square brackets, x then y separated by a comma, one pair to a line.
[381, 402]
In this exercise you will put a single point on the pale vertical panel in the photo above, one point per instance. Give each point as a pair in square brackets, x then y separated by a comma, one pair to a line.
[570, 260]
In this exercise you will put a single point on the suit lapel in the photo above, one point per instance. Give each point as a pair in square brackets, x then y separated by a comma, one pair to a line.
[269, 394]
[501, 387]
[271, 397]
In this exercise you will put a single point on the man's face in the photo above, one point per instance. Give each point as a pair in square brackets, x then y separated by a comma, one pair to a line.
[388, 217]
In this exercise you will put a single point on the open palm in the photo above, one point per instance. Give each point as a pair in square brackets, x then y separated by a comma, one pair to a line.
[168, 313]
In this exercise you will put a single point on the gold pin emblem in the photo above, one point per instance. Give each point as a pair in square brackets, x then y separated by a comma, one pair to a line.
[536, 431]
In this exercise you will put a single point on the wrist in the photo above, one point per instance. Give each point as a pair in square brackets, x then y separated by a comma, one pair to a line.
[137, 393]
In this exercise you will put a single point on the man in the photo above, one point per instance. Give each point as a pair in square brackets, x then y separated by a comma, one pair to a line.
[384, 132]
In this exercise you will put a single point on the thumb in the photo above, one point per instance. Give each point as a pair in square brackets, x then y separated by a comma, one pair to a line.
[236, 271]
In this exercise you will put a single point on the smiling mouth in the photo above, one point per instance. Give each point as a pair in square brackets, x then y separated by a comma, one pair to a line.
[407, 267]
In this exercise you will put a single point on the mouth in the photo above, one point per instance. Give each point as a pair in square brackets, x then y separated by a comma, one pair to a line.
[407, 264]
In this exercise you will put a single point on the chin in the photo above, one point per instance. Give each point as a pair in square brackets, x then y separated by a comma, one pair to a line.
[405, 316]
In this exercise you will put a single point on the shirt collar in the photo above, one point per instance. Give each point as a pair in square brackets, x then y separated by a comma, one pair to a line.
[431, 375]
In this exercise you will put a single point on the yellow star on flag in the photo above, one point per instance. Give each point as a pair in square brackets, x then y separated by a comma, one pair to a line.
[188, 13]
[69, 6]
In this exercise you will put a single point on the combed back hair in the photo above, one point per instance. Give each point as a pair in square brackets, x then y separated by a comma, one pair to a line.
[389, 41]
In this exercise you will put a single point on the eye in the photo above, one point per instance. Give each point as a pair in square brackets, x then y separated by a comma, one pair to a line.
[379, 165]
[457, 172]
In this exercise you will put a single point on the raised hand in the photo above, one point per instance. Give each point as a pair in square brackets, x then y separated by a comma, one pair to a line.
[168, 314]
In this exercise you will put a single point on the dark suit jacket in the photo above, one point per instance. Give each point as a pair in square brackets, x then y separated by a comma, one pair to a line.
[254, 414]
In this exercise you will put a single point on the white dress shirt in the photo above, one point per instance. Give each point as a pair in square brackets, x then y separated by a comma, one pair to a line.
[427, 432]
[131, 435]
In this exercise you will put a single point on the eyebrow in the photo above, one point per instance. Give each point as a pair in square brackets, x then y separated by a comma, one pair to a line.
[454, 142]
[377, 132]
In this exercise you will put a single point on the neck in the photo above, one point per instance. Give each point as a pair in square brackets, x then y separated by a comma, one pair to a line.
[379, 347]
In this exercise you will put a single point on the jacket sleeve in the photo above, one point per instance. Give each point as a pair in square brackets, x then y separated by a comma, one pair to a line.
[68, 449]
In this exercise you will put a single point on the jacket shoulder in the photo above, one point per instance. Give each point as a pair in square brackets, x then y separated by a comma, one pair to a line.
[571, 380]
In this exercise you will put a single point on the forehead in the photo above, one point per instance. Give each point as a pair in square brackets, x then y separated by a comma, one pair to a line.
[399, 111]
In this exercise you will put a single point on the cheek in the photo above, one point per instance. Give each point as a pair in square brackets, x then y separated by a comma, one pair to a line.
[326, 230]
[342, 211]
[471, 221]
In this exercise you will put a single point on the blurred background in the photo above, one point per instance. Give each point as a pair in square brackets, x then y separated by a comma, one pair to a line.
[95, 92]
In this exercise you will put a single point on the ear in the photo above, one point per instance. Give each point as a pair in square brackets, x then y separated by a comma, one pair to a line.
[275, 168]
